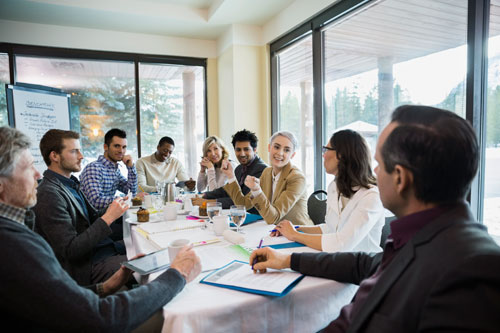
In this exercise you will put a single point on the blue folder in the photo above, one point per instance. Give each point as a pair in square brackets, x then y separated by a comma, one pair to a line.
[285, 245]
[248, 290]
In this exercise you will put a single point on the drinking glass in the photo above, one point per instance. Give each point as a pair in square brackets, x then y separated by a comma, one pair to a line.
[157, 202]
[213, 209]
[238, 214]
[160, 188]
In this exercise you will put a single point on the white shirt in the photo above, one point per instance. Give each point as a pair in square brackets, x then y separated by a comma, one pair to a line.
[357, 226]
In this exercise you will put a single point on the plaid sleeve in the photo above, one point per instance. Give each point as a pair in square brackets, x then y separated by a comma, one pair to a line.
[94, 183]
[125, 185]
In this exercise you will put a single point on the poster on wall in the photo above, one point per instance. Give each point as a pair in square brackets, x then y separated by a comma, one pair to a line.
[34, 110]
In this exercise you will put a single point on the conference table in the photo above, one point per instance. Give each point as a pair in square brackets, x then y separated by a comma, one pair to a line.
[308, 307]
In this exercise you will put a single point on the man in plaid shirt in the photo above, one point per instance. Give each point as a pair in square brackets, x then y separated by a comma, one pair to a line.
[100, 179]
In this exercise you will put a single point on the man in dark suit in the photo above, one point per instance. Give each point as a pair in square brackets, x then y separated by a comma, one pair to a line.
[245, 146]
[77, 233]
[440, 270]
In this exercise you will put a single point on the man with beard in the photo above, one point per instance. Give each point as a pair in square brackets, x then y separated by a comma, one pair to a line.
[75, 230]
[37, 295]
[100, 179]
[245, 147]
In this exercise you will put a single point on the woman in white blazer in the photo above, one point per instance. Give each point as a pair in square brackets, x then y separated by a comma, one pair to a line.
[354, 214]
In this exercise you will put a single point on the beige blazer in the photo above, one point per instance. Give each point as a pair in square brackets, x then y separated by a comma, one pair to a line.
[290, 199]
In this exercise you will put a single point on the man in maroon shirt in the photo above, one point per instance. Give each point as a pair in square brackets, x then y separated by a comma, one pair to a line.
[440, 270]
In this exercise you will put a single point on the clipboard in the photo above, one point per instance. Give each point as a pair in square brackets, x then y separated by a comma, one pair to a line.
[220, 277]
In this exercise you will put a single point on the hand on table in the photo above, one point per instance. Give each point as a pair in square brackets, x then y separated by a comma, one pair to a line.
[269, 258]
[187, 263]
[115, 210]
[285, 228]
[190, 184]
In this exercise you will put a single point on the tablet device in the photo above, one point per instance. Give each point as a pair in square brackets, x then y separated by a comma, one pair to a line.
[150, 263]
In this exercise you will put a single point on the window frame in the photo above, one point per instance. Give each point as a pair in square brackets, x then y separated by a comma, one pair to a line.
[476, 85]
[14, 50]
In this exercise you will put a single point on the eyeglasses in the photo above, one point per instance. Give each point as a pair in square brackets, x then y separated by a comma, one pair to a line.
[325, 149]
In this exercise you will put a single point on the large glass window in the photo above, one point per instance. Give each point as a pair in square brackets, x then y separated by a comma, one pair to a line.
[172, 104]
[492, 156]
[103, 96]
[296, 103]
[394, 52]
[4, 78]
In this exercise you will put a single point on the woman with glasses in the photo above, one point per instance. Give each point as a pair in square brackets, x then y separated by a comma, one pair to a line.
[354, 214]
[280, 192]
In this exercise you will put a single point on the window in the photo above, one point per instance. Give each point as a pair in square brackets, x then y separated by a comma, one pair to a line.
[296, 103]
[103, 96]
[4, 78]
[172, 104]
[393, 53]
[492, 156]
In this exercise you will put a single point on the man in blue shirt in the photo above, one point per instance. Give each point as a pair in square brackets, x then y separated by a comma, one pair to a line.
[75, 230]
[100, 179]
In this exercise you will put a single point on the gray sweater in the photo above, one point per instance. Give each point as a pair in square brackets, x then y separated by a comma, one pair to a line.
[38, 295]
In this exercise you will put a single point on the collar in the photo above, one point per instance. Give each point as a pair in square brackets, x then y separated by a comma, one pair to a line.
[72, 181]
[13, 213]
[404, 228]
[107, 163]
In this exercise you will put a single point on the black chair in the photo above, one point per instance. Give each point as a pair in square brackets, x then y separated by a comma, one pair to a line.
[316, 206]
[386, 230]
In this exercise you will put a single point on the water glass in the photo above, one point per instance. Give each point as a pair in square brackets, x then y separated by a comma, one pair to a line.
[157, 202]
[238, 214]
[213, 209]
[160, 188]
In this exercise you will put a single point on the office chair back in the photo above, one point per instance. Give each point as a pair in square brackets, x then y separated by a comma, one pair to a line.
[316, 206]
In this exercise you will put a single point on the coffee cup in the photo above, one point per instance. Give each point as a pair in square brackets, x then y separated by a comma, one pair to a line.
[148, 201]
[170, 211]
[175, 246]
[220, 223]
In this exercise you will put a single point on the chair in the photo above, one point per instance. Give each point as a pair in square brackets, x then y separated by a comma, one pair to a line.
[386, 230]
[316, 206]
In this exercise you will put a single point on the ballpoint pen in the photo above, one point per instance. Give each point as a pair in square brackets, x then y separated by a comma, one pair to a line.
[255, 260]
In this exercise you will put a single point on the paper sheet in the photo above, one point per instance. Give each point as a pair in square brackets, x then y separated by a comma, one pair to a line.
[240, 275]
[216, 257]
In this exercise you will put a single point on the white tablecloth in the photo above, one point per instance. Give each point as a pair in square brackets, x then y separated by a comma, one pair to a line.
[309, 306]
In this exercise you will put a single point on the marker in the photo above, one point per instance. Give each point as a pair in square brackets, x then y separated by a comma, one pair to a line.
[296, 227]
[210, 241]
[255, 260]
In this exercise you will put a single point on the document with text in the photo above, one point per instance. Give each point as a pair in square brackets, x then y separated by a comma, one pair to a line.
[239, 276]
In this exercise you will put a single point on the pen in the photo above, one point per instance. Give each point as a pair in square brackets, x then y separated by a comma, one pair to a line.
[210, 241]
[296, 227]
[255, 260]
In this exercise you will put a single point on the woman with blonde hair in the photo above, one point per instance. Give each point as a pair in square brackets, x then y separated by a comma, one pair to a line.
[280, 192]
[211, 176]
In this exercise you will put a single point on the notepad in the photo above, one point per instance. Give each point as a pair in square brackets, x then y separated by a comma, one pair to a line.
[238, 275]
[219, 256]
[279, 242]
[154, 228]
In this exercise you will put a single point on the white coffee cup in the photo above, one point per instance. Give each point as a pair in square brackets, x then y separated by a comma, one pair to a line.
[188, 204]
[220, 223]
[175, 246]
[148, 201]
[170, 211]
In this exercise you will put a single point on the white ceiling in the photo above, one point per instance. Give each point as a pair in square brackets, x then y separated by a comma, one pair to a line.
[203, 19]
